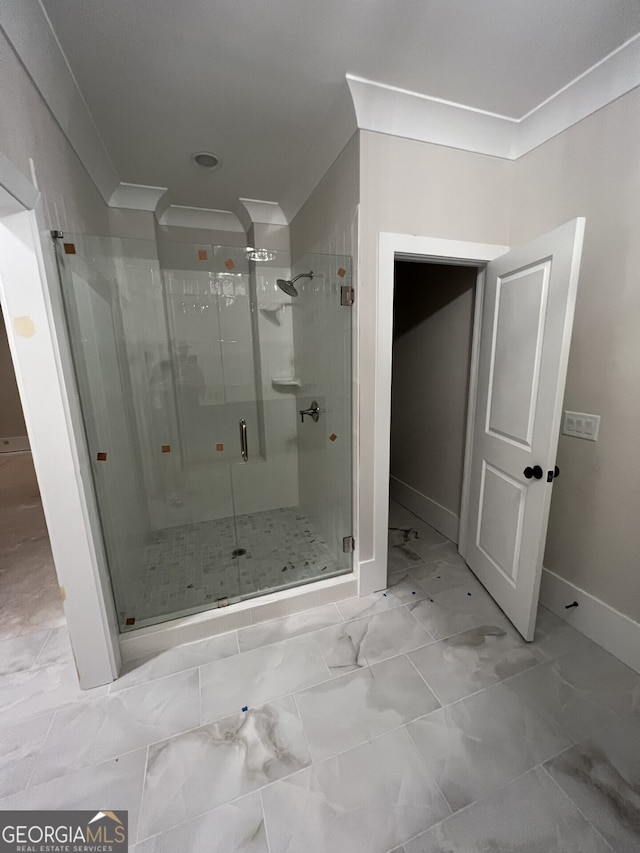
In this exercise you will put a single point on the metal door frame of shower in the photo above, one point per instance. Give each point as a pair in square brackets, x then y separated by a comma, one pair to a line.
[44, 372]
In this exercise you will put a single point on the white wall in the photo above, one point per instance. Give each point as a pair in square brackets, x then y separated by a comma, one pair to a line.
[410, 187]
[226, 317]
[271, 480]
[175, 234]
[593, 170]
[433, 323]
[325, 222]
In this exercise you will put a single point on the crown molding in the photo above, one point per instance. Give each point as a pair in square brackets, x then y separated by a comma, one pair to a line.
[605, 82]
[252, 211]
[360, 103]
[158, 201]
[399, 112]
[201, 217]
[137, 197]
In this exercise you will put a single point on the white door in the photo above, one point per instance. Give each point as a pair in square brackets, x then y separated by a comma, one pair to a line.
[527, 318]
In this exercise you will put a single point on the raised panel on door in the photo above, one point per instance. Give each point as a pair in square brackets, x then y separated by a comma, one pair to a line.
[500, 520]
[518, 331]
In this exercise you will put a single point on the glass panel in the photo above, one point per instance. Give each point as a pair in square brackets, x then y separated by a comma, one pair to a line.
[294, 504]
[174, 346]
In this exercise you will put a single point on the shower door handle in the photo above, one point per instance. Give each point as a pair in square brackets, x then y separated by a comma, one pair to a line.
[244, 447]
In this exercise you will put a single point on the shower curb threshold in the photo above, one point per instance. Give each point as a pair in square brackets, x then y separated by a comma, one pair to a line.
[188, 629]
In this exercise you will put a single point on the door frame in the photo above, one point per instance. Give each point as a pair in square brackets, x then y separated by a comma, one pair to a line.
[29, 292]
[411, 247]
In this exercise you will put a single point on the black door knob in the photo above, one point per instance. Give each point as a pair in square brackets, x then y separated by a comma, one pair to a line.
[530, 472]
[556, 471]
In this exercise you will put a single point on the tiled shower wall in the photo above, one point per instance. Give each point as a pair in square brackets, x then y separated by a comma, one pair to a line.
[272, 481]
[201, 345]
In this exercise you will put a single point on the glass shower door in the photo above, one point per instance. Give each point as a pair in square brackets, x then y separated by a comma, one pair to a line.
[175, 348]
[209, 327]
[293, 500]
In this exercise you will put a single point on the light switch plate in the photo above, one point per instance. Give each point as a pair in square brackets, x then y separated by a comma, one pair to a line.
[581, 425]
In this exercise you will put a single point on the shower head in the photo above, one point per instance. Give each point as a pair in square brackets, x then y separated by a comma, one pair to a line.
[288, 287]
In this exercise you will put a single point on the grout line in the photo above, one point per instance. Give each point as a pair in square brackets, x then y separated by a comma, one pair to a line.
[72, 771]
[34, 665]
[325, 662]
[40, 751]
[201, 815]
[410, 609]
[570, 799]
[304, 731]
[237, 641]
[264, 820]
[442, 704]
[157, 678]
[496, 684]
[293, 636]
[430, 771]
[468, 806]
[144, 783]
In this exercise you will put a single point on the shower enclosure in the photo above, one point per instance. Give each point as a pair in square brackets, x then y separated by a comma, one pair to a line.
[194, 367]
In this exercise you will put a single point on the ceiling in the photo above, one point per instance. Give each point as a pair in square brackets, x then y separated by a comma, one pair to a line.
[257, 82]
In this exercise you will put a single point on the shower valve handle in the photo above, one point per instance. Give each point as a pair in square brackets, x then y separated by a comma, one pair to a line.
[313, 411]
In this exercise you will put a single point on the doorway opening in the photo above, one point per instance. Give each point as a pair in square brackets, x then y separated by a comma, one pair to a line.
[30, 603]
[13, 431]
[433, 317]
[522, 331]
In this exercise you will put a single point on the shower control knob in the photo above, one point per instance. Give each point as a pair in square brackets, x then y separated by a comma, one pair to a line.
[313, 411]
[535, 472]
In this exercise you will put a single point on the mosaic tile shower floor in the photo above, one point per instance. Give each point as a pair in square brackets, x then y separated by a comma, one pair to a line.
[191, 565]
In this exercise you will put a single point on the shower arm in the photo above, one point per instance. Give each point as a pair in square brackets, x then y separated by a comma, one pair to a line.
[301, 275]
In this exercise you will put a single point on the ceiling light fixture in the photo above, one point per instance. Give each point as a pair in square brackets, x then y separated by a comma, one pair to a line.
[206, 160]
[260, 255]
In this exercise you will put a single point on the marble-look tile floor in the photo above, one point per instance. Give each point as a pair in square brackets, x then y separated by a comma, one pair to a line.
[188, 568]
[414, 720]
[29, 595]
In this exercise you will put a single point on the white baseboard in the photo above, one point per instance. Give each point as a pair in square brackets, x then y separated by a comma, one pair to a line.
[14, 443]
[438, 516]
[609, 628]
[372, 576]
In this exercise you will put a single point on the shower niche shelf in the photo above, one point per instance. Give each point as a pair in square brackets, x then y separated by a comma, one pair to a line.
[286, 382]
